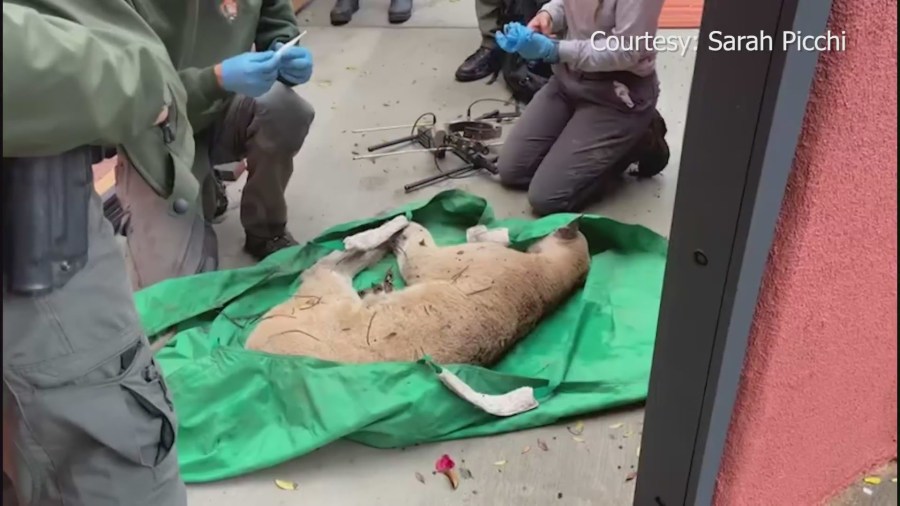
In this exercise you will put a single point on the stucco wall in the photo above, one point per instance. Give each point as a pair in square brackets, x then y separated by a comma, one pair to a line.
[817, 404]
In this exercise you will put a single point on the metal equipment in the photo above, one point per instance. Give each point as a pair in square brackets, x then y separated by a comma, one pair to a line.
[469, 140]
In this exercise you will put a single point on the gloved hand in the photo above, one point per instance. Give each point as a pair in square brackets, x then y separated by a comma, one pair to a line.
[250, 74]
[516, 38]
[296, 64]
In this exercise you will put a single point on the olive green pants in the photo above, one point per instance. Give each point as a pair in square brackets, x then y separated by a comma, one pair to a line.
[88, 413]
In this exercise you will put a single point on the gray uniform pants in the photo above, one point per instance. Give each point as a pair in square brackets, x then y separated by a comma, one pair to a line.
[87, 410]
[488, 13]
[574, 138]
[268, 131]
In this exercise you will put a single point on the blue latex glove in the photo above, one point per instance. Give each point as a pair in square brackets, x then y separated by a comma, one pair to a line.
[511, 37]
[250, 74]
[296, 64]
[530, 45]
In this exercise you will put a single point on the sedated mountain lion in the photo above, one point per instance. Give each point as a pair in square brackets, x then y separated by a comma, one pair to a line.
[463, 304]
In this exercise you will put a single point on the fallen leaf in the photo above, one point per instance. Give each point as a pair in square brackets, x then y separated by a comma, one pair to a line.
[454, 479]
[578, 439]
[285, 485]
[542, 445]
[577, 429]
[500, 463]
[868, 491]
[465, 473]
[628, 434]
[616, 426]
[444, 464]
[630, 476]
[526, 449]
[873, 480]
[420, 477]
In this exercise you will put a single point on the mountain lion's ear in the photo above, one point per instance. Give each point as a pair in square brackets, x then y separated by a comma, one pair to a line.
[569, 231]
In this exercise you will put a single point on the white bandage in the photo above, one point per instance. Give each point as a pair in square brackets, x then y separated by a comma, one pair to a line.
[371, 239]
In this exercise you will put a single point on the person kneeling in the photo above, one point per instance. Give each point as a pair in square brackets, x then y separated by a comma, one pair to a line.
[597, 114]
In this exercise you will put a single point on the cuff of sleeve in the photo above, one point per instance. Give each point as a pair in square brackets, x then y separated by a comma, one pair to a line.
[209, 84]
[285, 82]
[568, 51]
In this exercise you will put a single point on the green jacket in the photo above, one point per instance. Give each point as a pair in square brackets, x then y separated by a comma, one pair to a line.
[83, 72]
[199, 34]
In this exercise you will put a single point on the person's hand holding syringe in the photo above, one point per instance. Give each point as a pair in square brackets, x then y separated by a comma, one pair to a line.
[253, 73]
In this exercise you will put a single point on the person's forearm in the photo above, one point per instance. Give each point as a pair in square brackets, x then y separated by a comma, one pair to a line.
[636, 25]
[96, 91]
[276, 24]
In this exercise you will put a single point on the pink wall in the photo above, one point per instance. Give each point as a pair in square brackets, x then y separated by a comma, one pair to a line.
[817, 404]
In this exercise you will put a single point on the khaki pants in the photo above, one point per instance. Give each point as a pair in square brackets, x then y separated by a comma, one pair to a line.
[268, 132]
[488, 13]
[86, 409]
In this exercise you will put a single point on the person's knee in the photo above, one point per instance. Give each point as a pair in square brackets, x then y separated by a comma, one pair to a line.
[543, 203]
[285, 117]
[514, 171]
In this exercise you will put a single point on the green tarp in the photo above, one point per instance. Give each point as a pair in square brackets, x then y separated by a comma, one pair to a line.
[241, 411]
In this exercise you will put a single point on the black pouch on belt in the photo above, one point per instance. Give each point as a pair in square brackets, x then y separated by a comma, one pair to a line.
[45, 236]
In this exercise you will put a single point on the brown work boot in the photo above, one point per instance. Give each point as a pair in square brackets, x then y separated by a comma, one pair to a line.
[261, 247]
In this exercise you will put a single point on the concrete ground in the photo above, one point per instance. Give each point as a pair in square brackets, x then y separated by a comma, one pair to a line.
[371, 74]
[878, 488]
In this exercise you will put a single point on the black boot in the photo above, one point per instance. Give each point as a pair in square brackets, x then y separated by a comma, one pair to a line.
[221, 200]
[400, 11]
[653, 154]
[480, 64]
[261, 247]
[343, 11]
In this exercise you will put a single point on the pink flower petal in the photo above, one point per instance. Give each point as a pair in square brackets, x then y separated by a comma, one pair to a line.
[444, 464]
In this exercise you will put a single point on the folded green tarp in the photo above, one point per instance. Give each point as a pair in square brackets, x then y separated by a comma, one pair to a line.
[241, 411]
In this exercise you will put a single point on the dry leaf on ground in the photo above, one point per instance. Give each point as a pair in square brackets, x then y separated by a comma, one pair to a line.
[542, 445]
[500, 463]
[285, 485]
[632, 475]
[576, 429]
[420, 478]
[578, 439]
[872, 480]
[616, 426]
[526, 450]
[465, 473]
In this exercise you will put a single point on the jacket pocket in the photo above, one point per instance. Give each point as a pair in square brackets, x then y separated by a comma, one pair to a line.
[163, 149]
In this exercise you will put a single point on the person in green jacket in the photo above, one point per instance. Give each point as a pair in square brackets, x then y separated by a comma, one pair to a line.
[85, 408]
[241, 105]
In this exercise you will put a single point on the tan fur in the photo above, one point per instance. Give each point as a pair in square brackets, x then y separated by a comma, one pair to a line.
[467, 303]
